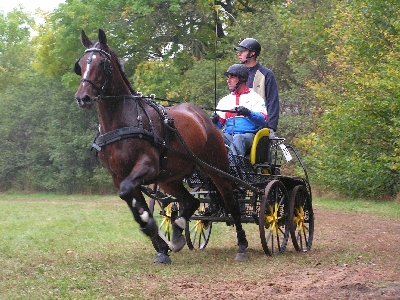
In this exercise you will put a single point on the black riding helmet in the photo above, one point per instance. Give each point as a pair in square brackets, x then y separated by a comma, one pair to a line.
[239, 71]
[249, 44]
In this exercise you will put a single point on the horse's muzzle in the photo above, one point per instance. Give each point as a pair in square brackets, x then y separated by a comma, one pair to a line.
[84, 102]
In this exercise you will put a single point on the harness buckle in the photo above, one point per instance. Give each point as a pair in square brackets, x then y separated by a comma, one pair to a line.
[96, 147]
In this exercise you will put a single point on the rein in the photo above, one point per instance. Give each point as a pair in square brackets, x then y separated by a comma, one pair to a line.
[199, 162]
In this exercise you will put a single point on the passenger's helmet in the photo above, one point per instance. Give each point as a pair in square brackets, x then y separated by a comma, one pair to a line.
[238, 70]
[249, 44]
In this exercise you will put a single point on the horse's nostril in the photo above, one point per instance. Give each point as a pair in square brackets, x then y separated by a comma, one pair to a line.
[86, 99]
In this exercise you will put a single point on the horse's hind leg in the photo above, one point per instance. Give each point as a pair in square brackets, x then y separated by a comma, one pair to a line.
[188, 204]
[232, 204]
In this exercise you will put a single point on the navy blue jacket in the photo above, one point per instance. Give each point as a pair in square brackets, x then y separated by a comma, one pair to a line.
[262, 81]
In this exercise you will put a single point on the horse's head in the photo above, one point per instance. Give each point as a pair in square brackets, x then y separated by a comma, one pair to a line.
[95, 68]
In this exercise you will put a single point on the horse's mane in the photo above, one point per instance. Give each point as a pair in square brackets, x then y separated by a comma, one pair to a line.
[121, 70]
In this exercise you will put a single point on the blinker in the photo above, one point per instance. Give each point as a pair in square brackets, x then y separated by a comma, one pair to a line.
[77, 68]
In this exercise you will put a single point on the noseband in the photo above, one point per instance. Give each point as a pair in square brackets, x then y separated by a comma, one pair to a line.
[107, 67]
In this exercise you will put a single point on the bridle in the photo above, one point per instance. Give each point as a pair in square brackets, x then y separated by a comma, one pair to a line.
[107, 67]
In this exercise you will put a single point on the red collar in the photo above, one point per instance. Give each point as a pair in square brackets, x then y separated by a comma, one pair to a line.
[245, 91]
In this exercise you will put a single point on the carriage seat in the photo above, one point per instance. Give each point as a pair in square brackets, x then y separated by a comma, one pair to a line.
[260, 152]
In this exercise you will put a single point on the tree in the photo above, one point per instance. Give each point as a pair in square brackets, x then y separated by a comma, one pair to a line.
[336, 65]
[15, 53]
[43, 134]
[303, 38]
[356, 148]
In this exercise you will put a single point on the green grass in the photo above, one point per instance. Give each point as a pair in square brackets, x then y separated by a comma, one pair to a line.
[383, 209]
[89, 247]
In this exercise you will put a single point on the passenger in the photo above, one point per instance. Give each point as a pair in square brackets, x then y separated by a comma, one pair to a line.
[261, 80]
[241, 113]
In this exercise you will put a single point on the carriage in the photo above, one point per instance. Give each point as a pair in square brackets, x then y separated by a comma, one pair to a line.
[178, 158]
[273, 191]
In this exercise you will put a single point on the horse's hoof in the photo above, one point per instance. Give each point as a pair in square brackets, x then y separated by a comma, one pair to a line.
[241, 257]
[179, 243]
[162, 258]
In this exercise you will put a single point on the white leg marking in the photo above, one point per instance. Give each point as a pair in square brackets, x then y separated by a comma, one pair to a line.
[145, 216]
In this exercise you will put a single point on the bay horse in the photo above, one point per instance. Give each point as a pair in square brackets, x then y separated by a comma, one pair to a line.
[142, 142]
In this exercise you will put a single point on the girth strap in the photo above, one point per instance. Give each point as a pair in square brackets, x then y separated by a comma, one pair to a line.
[126, 133]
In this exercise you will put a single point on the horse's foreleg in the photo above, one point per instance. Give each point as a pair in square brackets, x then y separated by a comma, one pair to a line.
[133, 196]
[130, 191]
[148, 226]
[188, 205]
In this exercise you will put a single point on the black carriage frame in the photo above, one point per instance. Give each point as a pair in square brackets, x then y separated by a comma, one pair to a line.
[280, 204]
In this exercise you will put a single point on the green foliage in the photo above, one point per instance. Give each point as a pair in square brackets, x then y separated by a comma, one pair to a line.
[359, 133]
[41, 148]
[14, 54]
[158, 77]
[204, 84]
[303, 39]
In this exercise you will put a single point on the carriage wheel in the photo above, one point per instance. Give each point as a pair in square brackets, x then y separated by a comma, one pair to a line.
[274, 218]
[302, 227]
[198, 232]
[168, 215]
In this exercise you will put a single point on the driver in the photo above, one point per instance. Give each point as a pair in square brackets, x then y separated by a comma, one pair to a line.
[241, 113]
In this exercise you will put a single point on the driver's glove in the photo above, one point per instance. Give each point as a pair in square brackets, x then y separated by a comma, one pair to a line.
[214, 118]
[244, 111]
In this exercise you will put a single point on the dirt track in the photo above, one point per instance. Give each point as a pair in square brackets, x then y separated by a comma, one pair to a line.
[375, 277]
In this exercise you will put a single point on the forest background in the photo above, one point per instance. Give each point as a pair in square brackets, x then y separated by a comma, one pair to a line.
[337, 65]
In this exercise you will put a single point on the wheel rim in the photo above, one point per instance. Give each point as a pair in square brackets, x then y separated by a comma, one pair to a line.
[198, 232]
[274, 218]
[302, 226]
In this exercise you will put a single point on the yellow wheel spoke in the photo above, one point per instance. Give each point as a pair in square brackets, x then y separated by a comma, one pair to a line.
[299, 218]
[272, 218]
[199, 226]
[168, 210]
[165, 220]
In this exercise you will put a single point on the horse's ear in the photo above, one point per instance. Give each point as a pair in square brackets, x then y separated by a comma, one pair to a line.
[102, 37]
[85, 40]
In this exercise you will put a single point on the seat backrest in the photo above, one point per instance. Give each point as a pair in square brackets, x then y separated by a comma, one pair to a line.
[260, 149]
